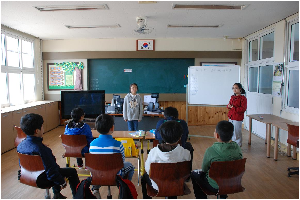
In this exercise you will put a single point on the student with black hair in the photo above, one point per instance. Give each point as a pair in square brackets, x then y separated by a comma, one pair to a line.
[171, 113]
[53, 176]
[105, 144]
[237, 106]
[168, 152]
[222, 150]
[77, 127]
[133, 108]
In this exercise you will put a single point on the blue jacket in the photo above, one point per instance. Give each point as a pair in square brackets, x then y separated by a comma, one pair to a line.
[184, 125]
[85, 129]
[33, 146]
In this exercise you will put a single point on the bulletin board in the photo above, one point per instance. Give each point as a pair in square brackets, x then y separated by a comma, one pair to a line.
[58, 79]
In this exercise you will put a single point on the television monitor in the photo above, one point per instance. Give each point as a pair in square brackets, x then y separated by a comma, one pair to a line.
[92, 102]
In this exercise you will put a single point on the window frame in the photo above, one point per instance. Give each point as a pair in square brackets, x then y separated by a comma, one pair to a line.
[289, 65]
[20, 69]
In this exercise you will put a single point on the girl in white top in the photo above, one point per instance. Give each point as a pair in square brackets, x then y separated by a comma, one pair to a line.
[170, 152]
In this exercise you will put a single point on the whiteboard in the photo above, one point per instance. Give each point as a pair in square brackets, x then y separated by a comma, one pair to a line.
[212, 85]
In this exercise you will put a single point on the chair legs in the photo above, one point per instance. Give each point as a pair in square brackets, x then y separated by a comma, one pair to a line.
[47, 195]
[222, 196]
[109, 196]
[293, 172]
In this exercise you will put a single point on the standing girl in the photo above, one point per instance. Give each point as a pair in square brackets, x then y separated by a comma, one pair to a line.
[237, 106]
[133, 108]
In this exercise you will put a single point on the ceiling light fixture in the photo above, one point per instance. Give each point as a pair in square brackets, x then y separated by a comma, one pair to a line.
[209, 7]
[193, 26]
[98, 26]
[72, 7]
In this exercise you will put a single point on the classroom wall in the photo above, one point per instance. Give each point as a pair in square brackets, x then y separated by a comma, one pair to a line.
[215, 50]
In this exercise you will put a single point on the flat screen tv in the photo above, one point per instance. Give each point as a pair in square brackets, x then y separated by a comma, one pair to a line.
[92, 102]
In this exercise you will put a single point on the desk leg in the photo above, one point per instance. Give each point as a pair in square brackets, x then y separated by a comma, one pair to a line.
[276, 143]
[268, 139]
[250, 130]
[142, 158]
[289, 150]
[294, 153]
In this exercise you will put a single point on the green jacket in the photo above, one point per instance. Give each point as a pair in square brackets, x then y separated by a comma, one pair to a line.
[220, 151]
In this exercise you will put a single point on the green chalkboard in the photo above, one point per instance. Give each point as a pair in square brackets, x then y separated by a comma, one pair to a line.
[157, 75]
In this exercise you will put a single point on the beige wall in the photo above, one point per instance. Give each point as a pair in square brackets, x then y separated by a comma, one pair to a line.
[53, 48]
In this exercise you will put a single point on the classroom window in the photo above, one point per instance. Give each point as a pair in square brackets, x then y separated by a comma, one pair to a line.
[29, 87]
[14, 83]
[293, 89]
[3, 83]
[3, 52]
[17, 70]
[265, 79]
[12, 52]
[253, 78]
[294, 43]
[254, 50]
[267, 46]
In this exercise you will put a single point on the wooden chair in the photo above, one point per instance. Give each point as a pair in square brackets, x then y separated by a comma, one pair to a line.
[131, 151]
[104, 168]
[155, 143]
[228, 175]
[73, 145]
[20, 136]
[31, 167]
[293, 139]
[169, 177]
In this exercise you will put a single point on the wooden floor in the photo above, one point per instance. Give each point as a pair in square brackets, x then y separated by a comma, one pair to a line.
[264, 178]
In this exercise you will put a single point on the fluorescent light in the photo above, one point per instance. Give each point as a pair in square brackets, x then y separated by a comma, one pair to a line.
[97, 26]
[210, 7]
[72, 7]
[193, 26]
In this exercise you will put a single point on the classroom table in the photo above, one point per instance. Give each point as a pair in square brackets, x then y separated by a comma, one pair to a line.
[269, 119]
[149, 137]
[125, 134]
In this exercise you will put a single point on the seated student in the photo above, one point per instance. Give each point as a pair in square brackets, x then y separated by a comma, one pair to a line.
[105, 144]
[222, 150]
[171, 113]
[77, 127]
[168, 152]
[32, 126]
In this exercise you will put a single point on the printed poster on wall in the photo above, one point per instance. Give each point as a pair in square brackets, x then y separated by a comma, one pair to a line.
[58, 79]
[277, 80]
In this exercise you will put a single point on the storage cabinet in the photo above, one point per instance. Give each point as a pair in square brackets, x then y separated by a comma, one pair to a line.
[7, 140]
[11, 117]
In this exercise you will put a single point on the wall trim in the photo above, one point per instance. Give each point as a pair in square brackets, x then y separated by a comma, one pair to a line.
[140, 54]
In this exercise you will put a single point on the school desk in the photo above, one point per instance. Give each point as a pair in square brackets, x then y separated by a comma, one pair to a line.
[126, 134]
[269, 119]
[148, 122]
[149, 137]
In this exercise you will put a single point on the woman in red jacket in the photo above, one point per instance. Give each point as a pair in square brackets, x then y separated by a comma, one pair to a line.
[237, 106]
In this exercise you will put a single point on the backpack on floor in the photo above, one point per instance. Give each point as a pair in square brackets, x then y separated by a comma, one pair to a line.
[127, 189]
[83, 190]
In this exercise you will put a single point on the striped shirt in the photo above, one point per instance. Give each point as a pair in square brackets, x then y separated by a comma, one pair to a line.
[105, 144]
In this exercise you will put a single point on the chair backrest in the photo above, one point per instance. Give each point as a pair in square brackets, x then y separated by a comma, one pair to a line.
[20, 136]
[228, 175]
[73, 145]
[104, 167]
[130, 149]
[155, 143]
[169, 177]
[293, 135]
[31, 167]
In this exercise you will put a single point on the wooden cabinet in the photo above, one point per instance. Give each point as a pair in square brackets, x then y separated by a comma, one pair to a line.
[7, 139]
[11, 117]
[52, 115]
